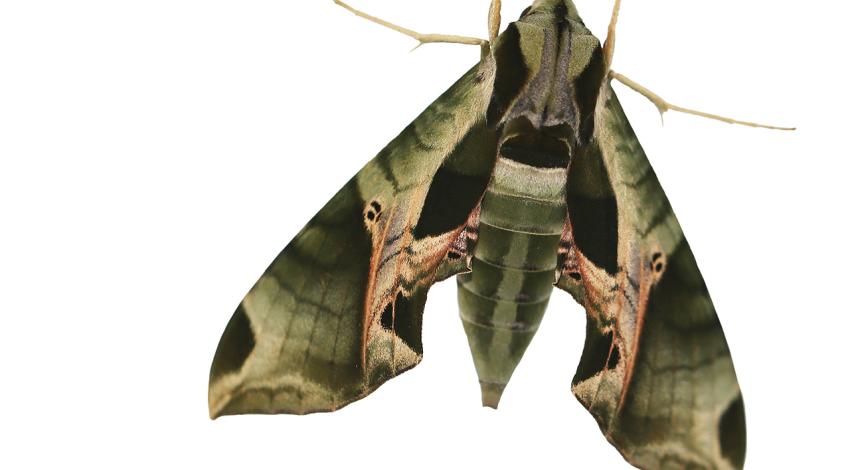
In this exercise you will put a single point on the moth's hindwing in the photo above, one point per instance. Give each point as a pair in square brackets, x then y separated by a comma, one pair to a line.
[656, 372]
[339, 311]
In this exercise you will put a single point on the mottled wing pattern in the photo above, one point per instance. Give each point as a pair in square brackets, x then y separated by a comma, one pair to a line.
[656, 372]
[339, 311]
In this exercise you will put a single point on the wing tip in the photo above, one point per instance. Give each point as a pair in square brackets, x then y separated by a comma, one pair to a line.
[215, 408]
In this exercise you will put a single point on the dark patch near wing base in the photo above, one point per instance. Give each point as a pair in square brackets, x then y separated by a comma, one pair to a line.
[595, 229]
[592, 209]
[450, 199]
[511, 74]
[458, 184]
[587, 87]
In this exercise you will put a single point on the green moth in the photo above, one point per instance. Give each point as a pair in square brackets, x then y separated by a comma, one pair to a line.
[524, 176]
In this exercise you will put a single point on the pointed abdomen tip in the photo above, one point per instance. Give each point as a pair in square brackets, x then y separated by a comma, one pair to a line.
[491, 394]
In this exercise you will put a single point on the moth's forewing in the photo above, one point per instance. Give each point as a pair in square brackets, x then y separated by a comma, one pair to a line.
[339, 311]
[656, 371]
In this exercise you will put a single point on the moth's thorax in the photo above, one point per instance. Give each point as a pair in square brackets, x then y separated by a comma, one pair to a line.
[549, 69]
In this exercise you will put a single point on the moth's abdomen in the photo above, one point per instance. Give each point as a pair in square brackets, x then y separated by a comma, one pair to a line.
[513, 268]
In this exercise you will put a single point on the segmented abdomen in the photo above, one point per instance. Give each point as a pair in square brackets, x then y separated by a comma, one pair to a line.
[513, 268]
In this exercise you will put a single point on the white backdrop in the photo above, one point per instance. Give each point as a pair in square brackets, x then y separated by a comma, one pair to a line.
[155, 156]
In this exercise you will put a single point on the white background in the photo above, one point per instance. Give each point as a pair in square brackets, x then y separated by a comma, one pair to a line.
[156, 155]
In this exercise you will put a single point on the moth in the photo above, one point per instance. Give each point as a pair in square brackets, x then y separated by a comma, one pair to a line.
[524, 176]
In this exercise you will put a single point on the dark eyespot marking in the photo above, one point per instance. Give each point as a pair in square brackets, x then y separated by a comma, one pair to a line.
[236, 345]
[657, 262]
[453, 255]
[575, 276]
[733, 433]
[373, 211]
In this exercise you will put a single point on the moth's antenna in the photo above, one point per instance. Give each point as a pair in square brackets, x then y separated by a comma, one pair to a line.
[608, 48]
[425, 38]
[663, 106]
[494, 20]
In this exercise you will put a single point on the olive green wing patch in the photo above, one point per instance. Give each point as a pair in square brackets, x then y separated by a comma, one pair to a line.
[339, 311]
[656, 371]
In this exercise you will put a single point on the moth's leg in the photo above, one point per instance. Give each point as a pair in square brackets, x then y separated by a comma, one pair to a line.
[608, 47]
[663, 106]
[424, 38]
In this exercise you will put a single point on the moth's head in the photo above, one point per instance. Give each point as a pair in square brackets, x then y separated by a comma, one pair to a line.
[549, 69]
[560, 8]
